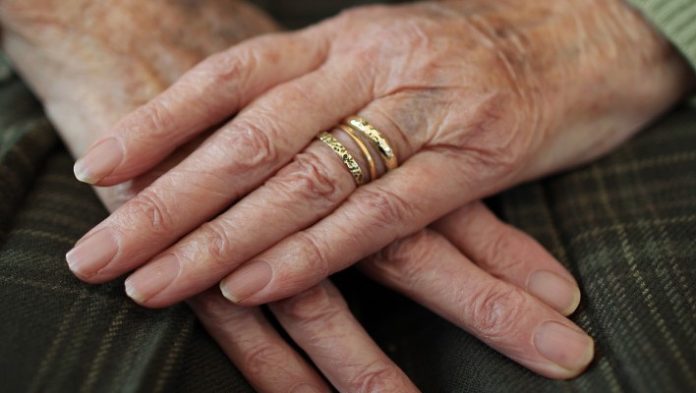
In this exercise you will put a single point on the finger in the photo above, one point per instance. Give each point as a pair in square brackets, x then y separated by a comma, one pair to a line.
[115, 196]
[400, 203]
[304, 191]
[255, 282]
[255, 223]
[319, 321]
[233, 161]
[251, 343]
[431, 271]
[373, 216]
[212, 91]
[511, 255]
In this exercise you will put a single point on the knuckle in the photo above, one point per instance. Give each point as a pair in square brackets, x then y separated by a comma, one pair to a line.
[494, 142]
[307, 177]
[380, 376]
[500, 252]
[249, 145]
[313, 263]
[402, 261]
[497, 309]
[215, 242]
[230, 66]
[363, 58]
[401, 39]
[385, 207]
[148, 204]
[256, 143]
[498, 243]
[259, 356]
[412, 33]
[315, 304]
[293, 92]
[150, 122]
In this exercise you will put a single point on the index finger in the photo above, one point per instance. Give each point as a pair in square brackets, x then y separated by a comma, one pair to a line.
[231, 163]
[212, 91]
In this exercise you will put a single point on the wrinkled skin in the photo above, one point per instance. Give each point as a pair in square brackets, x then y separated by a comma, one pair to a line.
[109, 60]
[476, 96]
[85, 96]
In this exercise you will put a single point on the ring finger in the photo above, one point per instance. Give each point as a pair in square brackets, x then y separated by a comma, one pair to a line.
[229, 164]
[511, 255]
[301, 193]
[430, 270]
[253, 344]
[320, 323]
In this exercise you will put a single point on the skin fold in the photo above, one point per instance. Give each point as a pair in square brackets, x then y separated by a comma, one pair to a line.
[474, 96]
[87, 60]
[88, 77]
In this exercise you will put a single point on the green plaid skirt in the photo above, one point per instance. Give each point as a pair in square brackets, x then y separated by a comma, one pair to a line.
[625, 226]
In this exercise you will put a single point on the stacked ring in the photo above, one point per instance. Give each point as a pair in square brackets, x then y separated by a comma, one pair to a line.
[363, 148]
[355, 127]
[378, 139]
[345, 156]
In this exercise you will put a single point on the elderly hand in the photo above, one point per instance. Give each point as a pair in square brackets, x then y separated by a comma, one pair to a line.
[88, 72]
[475, 96]
[469, 267]
[431, 266]
[525, 110]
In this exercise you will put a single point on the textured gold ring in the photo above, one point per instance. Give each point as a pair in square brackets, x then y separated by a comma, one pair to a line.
[345, 156]
[380, 142]
[363, 149]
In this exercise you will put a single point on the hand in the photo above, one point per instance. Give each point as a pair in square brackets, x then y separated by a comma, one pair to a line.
[436, 267]
[470, 268]
[476, 96]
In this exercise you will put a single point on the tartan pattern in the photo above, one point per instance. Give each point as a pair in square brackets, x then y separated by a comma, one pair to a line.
[624, 225]
[56, 333]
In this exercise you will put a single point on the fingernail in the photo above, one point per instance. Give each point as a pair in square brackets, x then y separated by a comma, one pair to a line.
[563, 345]
[246, 281]
[556, 291]
[304, 388]
[99, 161]
[150, 280]
[91, 254]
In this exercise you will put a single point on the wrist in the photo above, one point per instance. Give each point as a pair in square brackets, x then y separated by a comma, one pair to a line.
[592, 72]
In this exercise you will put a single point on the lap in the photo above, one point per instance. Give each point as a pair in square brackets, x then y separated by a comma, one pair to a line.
[624, 225]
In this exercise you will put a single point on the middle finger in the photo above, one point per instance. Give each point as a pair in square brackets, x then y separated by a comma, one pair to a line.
[229, 164]
[303, 192]
[430, 270]
[319, 321]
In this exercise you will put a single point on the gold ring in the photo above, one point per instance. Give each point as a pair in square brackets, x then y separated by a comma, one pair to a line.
[363, 148]
[345, 156]
[380, 142]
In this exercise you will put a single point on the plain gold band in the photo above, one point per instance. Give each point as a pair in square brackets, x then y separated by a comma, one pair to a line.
[345, 156]
[380, 142]
[363, 148]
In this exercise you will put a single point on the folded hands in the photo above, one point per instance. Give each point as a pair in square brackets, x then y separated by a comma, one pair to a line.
[475, 97]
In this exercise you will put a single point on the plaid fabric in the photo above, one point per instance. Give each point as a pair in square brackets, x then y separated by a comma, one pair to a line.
[624, 225]
[56, 333]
